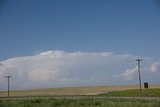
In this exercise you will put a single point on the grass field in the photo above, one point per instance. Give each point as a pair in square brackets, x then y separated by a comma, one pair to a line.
[100, 96]
[84, 102]
[134, 93]
[94, 90]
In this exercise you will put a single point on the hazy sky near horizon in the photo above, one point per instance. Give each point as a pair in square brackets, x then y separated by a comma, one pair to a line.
[29, 28]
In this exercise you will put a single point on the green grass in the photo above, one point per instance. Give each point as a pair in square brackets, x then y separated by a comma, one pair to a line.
[134, 93]
[83, 102]
[102, 100]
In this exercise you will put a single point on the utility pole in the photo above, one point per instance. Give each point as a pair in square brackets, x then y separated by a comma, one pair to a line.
[139, 74]
[8, 77]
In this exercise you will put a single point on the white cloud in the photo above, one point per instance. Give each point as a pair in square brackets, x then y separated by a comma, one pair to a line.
[155, 67]
[59, 68]
[128, 74]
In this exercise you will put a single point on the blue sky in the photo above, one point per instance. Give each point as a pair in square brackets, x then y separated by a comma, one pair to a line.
[120, 26]
[82, 42]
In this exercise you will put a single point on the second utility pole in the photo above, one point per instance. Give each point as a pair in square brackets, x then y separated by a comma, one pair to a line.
[8, 77]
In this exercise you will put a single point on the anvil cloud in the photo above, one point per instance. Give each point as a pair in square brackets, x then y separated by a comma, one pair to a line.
[58, 68]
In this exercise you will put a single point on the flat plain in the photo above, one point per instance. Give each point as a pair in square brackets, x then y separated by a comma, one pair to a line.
[88, 90]
[92, 96]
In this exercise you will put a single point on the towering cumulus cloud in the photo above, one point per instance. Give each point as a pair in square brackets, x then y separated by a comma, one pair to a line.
[155, 67]
[59, 69]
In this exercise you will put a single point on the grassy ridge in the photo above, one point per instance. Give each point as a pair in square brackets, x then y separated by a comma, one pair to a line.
[134, 93]
[84, 102]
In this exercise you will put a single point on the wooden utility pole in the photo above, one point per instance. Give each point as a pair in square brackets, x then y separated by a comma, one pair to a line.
[8, 77]
[139, 74]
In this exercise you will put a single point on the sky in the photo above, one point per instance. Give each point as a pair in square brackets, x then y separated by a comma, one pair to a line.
[78, 42]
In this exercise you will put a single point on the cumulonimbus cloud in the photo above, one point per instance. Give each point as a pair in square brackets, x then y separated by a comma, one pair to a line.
[155, 67]
[128, 74]
[59, 69]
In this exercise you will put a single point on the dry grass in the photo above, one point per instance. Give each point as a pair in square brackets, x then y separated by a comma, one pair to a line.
[92, 90]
